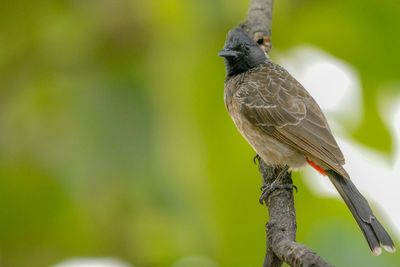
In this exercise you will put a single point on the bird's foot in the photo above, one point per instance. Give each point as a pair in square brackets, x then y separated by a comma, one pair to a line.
[266, 190]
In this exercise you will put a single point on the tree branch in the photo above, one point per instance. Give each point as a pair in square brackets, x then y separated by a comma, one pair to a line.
[281, 228]
[259, 21]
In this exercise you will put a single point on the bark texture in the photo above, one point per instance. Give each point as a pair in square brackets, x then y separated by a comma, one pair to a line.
[281, 228]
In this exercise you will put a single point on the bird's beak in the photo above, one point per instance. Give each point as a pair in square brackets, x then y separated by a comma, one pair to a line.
[228, 53]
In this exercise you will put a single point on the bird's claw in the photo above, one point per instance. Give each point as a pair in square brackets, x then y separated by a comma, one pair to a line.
[266, 191]
[256, 159]
[295, 188]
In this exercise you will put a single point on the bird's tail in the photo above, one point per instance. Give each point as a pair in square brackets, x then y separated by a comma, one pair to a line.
[373, 231]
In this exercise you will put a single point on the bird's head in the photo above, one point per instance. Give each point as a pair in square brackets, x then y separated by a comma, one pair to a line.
[241, 53]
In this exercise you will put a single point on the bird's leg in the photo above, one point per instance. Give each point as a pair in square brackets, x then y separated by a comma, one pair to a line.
[266, 190]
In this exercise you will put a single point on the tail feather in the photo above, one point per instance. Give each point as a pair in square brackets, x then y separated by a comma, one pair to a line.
[373, 231]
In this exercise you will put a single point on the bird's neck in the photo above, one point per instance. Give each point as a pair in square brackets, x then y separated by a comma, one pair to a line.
[242, 66]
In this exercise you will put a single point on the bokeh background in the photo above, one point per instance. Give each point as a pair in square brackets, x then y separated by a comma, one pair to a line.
[115, 142]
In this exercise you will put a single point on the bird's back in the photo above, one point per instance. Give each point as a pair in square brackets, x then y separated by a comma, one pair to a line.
[275, 103]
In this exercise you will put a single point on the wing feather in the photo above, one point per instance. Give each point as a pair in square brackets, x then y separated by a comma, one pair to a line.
[271, 99]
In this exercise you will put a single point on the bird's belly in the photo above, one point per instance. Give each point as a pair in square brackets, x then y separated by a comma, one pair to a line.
[267, 147]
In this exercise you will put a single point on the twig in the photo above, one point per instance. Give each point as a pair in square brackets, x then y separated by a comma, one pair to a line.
[281, 228]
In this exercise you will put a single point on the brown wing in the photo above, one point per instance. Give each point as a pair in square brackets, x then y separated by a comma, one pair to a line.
[276, 102]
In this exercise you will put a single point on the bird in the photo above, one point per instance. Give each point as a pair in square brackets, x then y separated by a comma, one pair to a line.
[286, 127]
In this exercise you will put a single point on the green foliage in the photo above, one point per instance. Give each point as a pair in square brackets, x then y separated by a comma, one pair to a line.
[114, 139]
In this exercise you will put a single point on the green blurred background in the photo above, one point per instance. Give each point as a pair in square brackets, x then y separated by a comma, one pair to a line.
[114, 139]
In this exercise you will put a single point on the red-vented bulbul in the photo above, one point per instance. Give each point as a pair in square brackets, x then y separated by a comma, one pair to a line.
[286, 127]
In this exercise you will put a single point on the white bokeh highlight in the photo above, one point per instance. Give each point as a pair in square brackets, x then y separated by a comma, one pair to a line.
[92, 262]
[336, 87]
[333, 83]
